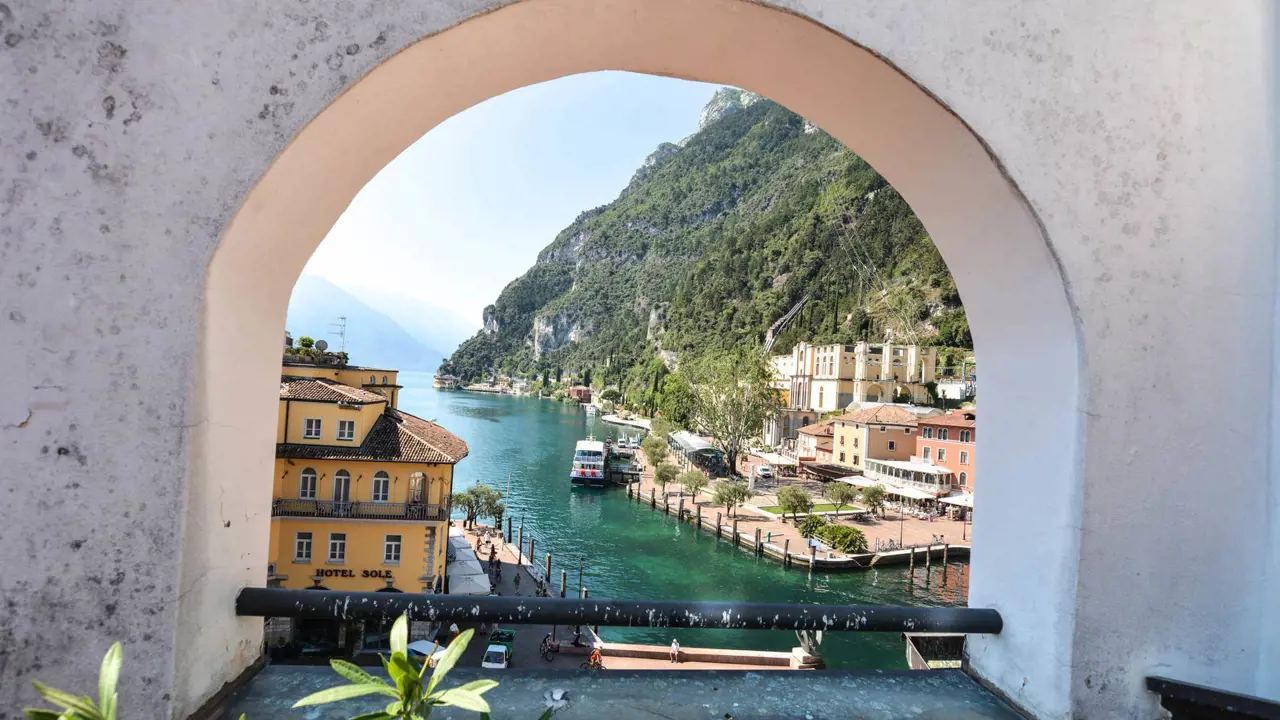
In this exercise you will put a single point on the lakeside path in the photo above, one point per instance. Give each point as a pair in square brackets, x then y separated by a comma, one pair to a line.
[529, 637]
[909, 530]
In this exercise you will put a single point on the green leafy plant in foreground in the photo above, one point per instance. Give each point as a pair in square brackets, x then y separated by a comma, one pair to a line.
[82, 707]
[413, 694]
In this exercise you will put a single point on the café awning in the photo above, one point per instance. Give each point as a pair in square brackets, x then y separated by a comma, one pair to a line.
[469, 584]
[965, 500]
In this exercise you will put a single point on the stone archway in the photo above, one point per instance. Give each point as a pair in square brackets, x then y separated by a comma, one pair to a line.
[980, 223]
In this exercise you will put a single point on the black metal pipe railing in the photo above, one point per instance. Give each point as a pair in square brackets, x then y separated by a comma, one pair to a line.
[334, 605]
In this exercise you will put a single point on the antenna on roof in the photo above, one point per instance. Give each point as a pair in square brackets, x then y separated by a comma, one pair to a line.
[340, 329]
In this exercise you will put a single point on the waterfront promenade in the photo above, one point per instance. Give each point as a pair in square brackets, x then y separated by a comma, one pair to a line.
[616, 656]
[907, 531]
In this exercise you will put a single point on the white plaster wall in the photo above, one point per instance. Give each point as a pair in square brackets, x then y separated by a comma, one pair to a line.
[1139, 133]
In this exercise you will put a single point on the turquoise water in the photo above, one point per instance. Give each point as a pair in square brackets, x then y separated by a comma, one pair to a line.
[632, 552]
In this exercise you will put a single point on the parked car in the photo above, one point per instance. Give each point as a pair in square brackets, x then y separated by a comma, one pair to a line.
[764, 472]
[496, 657]
[424, 650]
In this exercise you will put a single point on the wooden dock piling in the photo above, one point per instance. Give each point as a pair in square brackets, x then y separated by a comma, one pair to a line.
[719, 517]
[786, 553]
[564, 581]
[758, 547]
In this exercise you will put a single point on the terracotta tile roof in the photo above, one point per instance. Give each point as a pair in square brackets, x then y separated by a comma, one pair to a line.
[826, 428]
[881, 415]
[312, 389]
[395, 437]
[955, 418]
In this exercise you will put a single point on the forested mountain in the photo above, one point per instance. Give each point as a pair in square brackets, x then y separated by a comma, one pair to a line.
[711, 242]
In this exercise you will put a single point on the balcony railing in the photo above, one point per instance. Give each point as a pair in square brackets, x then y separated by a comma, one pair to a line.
[282, 507]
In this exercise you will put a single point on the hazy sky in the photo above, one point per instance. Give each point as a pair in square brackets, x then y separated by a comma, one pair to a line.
[465, 210]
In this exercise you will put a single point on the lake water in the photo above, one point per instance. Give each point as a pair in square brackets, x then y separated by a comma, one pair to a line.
[632, 552]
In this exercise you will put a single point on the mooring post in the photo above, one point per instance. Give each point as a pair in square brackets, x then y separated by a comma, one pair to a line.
[548, 572]
[653, 497]
[698, 509]
[509, 521]
[759, 548]
[680, 509]
[945, 547]
[719, 517]
[520, 542]
[531, 560]
[564, 581]
[912, 566]
[786, 553]
[813, 558]
[735, 532]
[666, 501]
[928, 557]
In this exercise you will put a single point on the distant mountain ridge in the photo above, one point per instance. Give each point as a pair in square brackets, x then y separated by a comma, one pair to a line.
[712, 241]
[373, 337]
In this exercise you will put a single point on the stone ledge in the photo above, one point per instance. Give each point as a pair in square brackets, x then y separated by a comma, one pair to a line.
[672, 694]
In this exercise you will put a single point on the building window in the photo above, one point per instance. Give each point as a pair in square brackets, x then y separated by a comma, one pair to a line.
[346, 429]
[342, 486]
[307, 485]
[842, 456]
[964, 479]
[855, 441]
[337, 547]
[302, 547]
[925, 453]
[906, 430]
[381, 487]
[964, 457]
[855, 459]
[884, 429]
[942, 455]
[311, 429]
[927, 433]
[966, 436]
[893, 445]
[384, 380]
[943, 433]
[373, 379]
[391, 550]
[841, 439]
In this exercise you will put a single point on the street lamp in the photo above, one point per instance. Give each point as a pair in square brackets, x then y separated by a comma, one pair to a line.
[902, 517]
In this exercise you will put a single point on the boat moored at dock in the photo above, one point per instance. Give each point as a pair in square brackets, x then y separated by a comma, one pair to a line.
[589, 459]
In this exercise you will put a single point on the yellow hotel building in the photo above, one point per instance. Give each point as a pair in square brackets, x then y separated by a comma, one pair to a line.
[361, 488]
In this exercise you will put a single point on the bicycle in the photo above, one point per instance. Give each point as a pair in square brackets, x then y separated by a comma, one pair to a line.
[592, 665]
[548, 648]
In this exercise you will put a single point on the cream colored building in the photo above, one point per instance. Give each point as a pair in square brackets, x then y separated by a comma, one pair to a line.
[824, 378]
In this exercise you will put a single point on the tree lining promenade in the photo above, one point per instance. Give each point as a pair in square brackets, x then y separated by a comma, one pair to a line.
[784, 535]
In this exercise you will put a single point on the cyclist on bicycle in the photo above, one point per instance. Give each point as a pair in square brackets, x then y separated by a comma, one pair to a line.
[595, 660]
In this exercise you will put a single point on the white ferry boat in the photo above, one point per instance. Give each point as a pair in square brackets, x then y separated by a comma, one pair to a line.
[588, 463]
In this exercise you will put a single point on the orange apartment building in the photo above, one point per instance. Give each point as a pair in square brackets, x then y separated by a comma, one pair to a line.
[948, 441]
[884, 432]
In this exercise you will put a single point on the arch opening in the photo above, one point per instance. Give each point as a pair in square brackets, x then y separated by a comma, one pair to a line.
[1013, 291]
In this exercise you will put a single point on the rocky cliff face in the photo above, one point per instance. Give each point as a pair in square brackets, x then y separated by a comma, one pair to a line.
[558, 331]
[490, 320]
